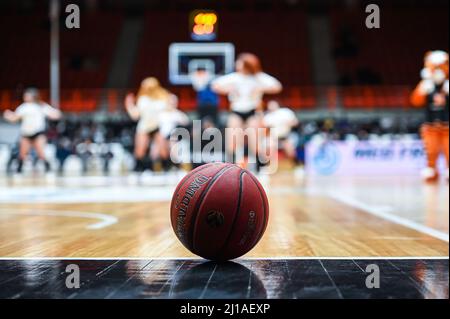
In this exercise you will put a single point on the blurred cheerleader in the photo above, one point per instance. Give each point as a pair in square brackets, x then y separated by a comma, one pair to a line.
[282, 121]
[245, 89]
[152, 100]
[32, 114]
[170, 119]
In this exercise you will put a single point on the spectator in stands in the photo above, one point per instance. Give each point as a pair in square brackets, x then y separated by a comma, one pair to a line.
[32, 114]
[98, 133]
[207, 99]
[63, 151]
[85, 151]
[151, 101]
[106, 155]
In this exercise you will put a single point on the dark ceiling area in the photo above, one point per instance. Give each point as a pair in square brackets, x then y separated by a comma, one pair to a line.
[27, 6]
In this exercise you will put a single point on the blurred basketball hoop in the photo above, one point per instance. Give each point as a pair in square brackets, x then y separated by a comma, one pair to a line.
[185, 58]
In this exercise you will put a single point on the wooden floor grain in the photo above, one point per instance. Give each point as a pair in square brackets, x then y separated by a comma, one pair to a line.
[306, 220]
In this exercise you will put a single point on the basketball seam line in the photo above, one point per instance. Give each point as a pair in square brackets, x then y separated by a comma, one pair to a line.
[183, 181]
[266, 220]
[197, 207]
[235, 218]
[186, 178]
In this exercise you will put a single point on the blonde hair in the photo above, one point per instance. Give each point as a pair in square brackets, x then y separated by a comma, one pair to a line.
[151, 88]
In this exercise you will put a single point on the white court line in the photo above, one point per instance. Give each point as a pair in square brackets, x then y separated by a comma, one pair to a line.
[382, 213]
[235, 260]
[110, 194]
[105, 220]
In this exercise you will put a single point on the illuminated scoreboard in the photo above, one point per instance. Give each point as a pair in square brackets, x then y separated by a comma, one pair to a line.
[203, 25]
[204, 52]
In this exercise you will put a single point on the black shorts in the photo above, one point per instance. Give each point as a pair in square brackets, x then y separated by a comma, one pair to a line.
[33, 137]
[245, 115]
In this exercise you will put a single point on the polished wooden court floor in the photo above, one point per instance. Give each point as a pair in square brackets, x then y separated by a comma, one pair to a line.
[323, 233]
[117, 217]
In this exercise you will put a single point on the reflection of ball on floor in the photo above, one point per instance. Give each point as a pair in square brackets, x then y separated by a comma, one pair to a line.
[219, 211]
[230, 281]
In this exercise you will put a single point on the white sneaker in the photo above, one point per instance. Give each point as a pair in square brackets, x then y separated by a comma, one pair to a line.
[429, 173]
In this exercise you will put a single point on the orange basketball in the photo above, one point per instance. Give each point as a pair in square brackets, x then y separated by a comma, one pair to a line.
[219, 211]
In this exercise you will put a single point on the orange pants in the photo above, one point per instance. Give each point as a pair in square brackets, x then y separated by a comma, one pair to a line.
[435, 139]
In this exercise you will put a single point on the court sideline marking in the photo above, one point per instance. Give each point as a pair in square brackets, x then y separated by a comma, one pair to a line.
[105, 220]
[382, 212]
[379, 211]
